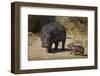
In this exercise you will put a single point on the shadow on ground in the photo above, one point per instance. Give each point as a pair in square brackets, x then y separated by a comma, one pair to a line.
[59, 50]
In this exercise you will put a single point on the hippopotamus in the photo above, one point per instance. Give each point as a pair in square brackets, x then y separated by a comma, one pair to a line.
[53, 32]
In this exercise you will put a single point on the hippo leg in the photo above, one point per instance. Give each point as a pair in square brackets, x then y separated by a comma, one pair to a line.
[63, 44]
[56, 45]
[49, 48]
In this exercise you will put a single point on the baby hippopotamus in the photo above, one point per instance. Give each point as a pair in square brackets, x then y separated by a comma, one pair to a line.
[76, 49]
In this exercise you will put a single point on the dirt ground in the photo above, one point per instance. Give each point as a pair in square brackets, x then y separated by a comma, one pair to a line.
[36, 52]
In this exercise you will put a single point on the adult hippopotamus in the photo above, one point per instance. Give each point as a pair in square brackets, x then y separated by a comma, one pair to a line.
[53, 33]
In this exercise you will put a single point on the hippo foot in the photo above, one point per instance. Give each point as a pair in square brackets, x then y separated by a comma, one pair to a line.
[55, 49]
[52, 51]
[63, 49]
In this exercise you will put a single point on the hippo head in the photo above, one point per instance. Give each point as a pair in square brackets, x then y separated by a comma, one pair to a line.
[45, 40]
